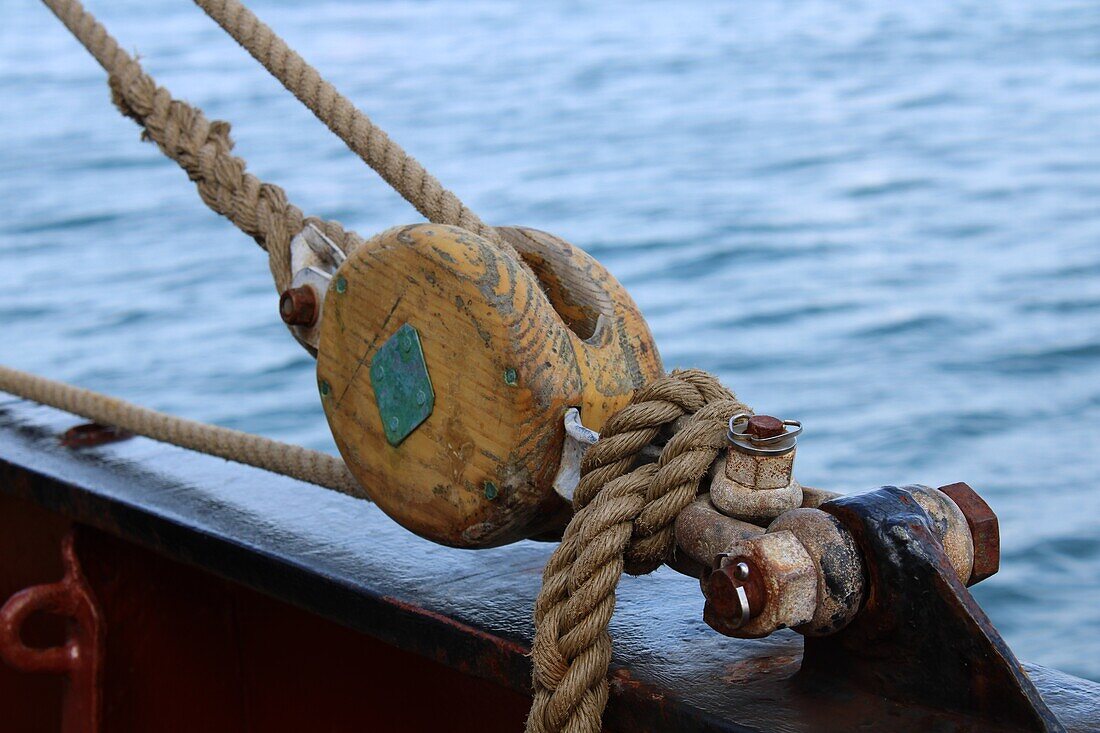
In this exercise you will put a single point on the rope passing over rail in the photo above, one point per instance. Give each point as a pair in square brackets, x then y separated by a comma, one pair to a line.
[253, 450]
[623, 520]
[624, 512]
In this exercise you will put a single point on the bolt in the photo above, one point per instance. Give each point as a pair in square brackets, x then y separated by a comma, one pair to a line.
[394, 423]
[421, 398]
[406, 342]
[491, 491]
[90, 434]
[765, 426]
[325, 388]
[341, 284]
[510, 377]
[298, 306]
[720, 589]
[780, 590]
[984, 530]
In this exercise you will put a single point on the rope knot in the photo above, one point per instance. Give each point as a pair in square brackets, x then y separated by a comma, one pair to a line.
[623, 521]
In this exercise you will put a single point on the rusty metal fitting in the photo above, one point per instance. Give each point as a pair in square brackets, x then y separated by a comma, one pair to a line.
[314, 259]
[92, 434]
[837, 561]
[950, 527]
[757, 483]
[765, 426]
[811, 573]
[984, 530]
[763, 435]
[735, 594]
[758, 506]
[787, 582]
[703, 533]
[813, 498]
[298, 306]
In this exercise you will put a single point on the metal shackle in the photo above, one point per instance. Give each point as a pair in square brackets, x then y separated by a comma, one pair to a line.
[806, 571]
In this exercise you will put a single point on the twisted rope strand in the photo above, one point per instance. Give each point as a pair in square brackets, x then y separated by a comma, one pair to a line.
[624, 514]
[252, 450]
[399, 169]
[624, 521]
[201, 147]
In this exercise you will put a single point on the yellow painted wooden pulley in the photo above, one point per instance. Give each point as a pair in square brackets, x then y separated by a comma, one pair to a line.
[445, 368]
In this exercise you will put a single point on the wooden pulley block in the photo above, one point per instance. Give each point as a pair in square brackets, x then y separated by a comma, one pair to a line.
[445, 367]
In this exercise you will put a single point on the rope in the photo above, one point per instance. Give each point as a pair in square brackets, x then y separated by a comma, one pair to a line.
[200, 147]
[624, 520]
[253, 450]
[624, 515]
[419, 187]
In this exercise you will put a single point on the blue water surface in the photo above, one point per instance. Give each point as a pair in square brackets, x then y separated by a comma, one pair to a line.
[880, 218]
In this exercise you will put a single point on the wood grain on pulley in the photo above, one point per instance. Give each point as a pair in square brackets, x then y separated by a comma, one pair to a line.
[507, 348]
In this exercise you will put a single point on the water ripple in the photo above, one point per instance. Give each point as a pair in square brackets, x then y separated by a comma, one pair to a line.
[879, 218]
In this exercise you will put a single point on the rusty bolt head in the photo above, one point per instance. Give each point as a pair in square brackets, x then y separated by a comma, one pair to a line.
[983, 527]
[92, 434]
[765, 426]
[298, 306]
[723, 608]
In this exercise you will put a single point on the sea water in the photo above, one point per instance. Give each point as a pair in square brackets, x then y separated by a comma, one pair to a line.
[882, 219]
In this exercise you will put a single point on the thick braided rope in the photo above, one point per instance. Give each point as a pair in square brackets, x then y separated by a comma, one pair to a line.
[234, 445]
[200, 147]
[624, 518]
[623, 521]
[399, 169]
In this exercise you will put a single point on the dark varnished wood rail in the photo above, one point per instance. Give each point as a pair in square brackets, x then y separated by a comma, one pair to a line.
[342, 560]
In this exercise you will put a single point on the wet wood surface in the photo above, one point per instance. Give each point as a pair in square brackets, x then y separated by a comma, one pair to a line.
[344, 560]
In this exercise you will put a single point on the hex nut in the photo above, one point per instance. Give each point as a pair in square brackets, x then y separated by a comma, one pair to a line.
[298, 306]
[760, 472]
[789, 582]
[984, 529]
[837, 562]
[755, 488]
